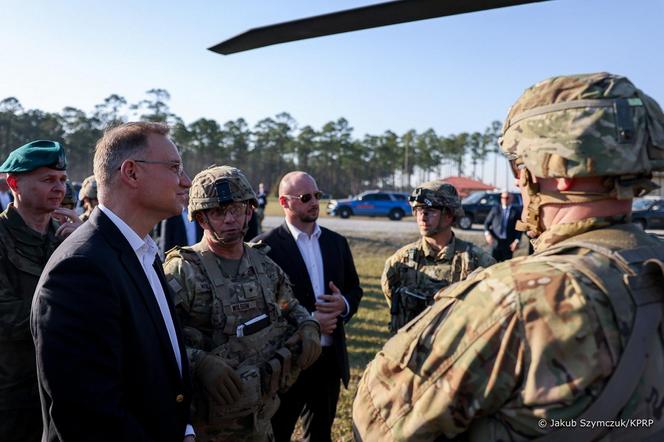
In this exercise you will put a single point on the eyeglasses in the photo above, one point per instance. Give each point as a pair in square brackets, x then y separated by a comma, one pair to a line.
[175, 166]
[306, 197]
[426, 212]
[234, 209]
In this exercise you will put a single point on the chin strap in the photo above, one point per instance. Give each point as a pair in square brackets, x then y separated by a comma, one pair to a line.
[215, 235]
[532, 223]
[621, 188]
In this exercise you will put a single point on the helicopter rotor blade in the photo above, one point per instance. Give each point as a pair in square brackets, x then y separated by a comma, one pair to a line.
[381, 14]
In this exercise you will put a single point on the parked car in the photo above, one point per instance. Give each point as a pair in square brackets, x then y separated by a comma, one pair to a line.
[394, 205]
[648, 212]
[476, 207]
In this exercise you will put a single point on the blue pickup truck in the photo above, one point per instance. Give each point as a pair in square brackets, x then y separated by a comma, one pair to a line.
[393, 205]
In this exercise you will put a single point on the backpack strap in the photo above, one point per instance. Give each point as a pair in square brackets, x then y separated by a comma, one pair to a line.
[643, 278]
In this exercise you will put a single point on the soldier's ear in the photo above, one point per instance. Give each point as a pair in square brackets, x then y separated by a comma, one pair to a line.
[564, 184]
[12, 182]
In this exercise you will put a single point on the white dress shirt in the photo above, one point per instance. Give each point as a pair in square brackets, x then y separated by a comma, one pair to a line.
[313, 259]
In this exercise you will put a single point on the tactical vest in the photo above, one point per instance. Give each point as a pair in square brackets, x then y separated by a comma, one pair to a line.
[634, 283]
[639, 287]
[418, 288]
[260, 358]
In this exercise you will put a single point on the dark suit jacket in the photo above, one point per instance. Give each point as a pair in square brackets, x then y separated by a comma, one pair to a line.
[495, 218]
[105, 363]
[175, 233]
[338, 266]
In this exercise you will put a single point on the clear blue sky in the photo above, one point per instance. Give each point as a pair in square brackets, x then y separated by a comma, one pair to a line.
[453, 74]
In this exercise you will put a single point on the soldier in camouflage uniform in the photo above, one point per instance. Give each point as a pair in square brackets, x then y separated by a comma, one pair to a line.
[568, 337]
[28, 237]
[69, 201]
[247, 336]
[417, 271]
[88, 195]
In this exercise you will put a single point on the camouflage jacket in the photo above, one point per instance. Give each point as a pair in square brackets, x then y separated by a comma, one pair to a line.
[210, 319]
[526, 340]
[194, 303]
[23, 255]
[416, 272]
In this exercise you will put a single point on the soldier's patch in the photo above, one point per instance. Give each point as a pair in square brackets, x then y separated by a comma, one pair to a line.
[249, 291]
[243, 306]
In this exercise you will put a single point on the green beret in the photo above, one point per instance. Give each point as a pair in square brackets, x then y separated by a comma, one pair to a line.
[41, 153]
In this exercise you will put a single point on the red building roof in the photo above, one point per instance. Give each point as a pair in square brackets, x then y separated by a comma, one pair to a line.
[466, 186]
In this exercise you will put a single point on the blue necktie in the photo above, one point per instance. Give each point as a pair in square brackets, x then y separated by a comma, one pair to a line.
[503, 224]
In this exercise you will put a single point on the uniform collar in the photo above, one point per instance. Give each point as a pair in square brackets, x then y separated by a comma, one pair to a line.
[444, 254]
[25, 234]
[561, 232]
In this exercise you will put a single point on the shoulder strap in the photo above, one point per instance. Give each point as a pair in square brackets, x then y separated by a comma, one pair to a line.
[258, 261]
[217, 281]
[644, 278]
[461, 261]
[210, 265]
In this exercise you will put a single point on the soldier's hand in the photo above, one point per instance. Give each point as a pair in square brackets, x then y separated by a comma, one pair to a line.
[68, 220]
[220, 381]
[327, 321]
[310, 337]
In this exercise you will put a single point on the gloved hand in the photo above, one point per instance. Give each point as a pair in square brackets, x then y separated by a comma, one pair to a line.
[220, 381]
[309, 335]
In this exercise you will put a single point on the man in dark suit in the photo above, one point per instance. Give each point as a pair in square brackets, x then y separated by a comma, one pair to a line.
[111, 362]
[320, 265]
[178, 230]
[500, 228]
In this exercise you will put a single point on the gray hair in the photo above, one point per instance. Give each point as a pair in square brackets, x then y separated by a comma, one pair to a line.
[118, 144]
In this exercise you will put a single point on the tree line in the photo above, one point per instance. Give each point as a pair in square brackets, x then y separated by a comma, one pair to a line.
[341, 162]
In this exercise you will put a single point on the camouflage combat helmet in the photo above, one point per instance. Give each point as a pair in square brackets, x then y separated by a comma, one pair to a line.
[88, 188]
[584, 126]
[437, 194]
[70, 198]
[218, 185]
